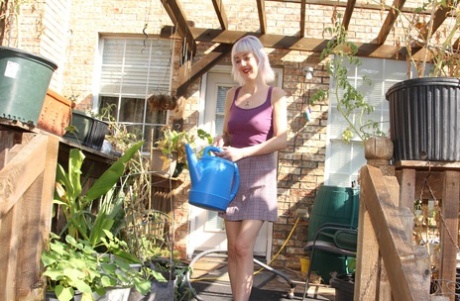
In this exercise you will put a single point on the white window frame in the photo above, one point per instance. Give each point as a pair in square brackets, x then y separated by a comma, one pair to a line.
[149, 76]
[342, 171]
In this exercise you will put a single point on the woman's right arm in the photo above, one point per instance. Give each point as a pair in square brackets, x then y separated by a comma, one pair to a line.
[224, 138]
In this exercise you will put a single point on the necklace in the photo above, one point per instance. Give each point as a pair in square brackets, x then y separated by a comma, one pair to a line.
[248, 99]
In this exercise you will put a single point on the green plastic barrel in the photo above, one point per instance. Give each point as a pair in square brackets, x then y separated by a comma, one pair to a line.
[24, 81]
[333, 204]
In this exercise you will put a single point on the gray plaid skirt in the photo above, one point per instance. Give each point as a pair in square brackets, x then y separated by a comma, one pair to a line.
[257, 195]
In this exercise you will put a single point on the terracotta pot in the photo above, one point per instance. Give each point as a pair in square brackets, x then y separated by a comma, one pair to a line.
[378, 148]
[161, 164]
[56, 113]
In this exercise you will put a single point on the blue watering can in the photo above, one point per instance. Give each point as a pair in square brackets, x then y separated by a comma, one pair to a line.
[215, 181]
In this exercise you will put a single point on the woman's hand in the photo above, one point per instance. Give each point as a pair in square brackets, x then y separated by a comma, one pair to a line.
[231, 153]
[219, 141]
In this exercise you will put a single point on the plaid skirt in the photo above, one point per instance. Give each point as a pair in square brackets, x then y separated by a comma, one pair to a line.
[257, 194]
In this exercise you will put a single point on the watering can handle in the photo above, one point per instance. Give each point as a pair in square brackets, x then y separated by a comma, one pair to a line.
[236, 182]
[236, 177]
[211, 148]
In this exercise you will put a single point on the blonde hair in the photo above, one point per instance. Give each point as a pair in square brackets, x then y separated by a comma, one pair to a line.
[252, 44]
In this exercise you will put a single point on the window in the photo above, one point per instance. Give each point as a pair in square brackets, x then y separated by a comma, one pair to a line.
[131, 70]
[344, 160]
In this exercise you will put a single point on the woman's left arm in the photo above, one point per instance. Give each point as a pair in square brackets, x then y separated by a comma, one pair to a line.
[275, 143]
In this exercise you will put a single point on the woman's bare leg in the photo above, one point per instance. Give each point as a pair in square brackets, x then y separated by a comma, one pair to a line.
[232, 229]
[241, 240]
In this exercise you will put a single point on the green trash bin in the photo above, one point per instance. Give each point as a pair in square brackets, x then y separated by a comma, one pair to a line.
[24, 81]
[333, 204]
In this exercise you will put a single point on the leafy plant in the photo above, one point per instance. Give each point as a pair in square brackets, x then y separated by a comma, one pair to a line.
[74, 264]
[174, 270]
[424, 45]
[173, 141]
[351, 103]
[76, 205]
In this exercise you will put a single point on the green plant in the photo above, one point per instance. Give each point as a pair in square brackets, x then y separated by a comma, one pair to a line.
[69, 266]
[426, 43]
[351, 103]
[77, 205]
[74, 264]
[148, 234]
[173, 270]
[173, 141]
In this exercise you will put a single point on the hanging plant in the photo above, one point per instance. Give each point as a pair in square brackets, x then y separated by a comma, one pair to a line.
[161, 101]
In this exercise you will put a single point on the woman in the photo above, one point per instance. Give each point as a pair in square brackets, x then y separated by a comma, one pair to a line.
[255, 126]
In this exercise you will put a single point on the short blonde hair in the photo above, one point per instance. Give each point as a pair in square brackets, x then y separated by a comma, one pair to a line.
[252, 44]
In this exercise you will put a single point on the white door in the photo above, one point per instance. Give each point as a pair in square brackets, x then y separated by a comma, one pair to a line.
[206, 228]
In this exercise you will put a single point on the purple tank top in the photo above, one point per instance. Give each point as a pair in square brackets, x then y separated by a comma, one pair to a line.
[250, 126]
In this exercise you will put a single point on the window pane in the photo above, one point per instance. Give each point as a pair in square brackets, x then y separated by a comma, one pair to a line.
[156, 116]
[132, 110]
[221, 95]
[220, 108]
[109, 102]
[219, 124]
[214, 222]
[132, 70]
[151, 133]
[344, 160]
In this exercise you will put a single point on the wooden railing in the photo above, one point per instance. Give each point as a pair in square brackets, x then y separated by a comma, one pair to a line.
[27, 176]
[390, 266]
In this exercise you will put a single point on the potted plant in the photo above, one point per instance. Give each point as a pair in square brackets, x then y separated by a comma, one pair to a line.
[162, 101]
[91, 230]
[424, 110]
[87, 130]
[76, 204]
[168, 153]
[73, 265]
[350, 103]
[69, 266]
[172, 283]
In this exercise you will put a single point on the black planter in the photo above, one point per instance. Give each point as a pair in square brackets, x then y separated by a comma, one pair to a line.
[344, 288]
[90, 131]
[425, 119]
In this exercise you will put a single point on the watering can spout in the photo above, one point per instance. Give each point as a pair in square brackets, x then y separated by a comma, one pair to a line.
[192, 163]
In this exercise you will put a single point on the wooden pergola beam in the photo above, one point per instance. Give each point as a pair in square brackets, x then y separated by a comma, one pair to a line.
[392, 15]
[294, 43]
[221, 14]
[175, 12]
[348, 12]
[262, 16]
[189, 73]
[303, 7]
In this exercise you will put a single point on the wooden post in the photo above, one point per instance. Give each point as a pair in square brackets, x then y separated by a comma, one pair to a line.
[26, 193]
[449, 230]
[371, 279]
[368, 266]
